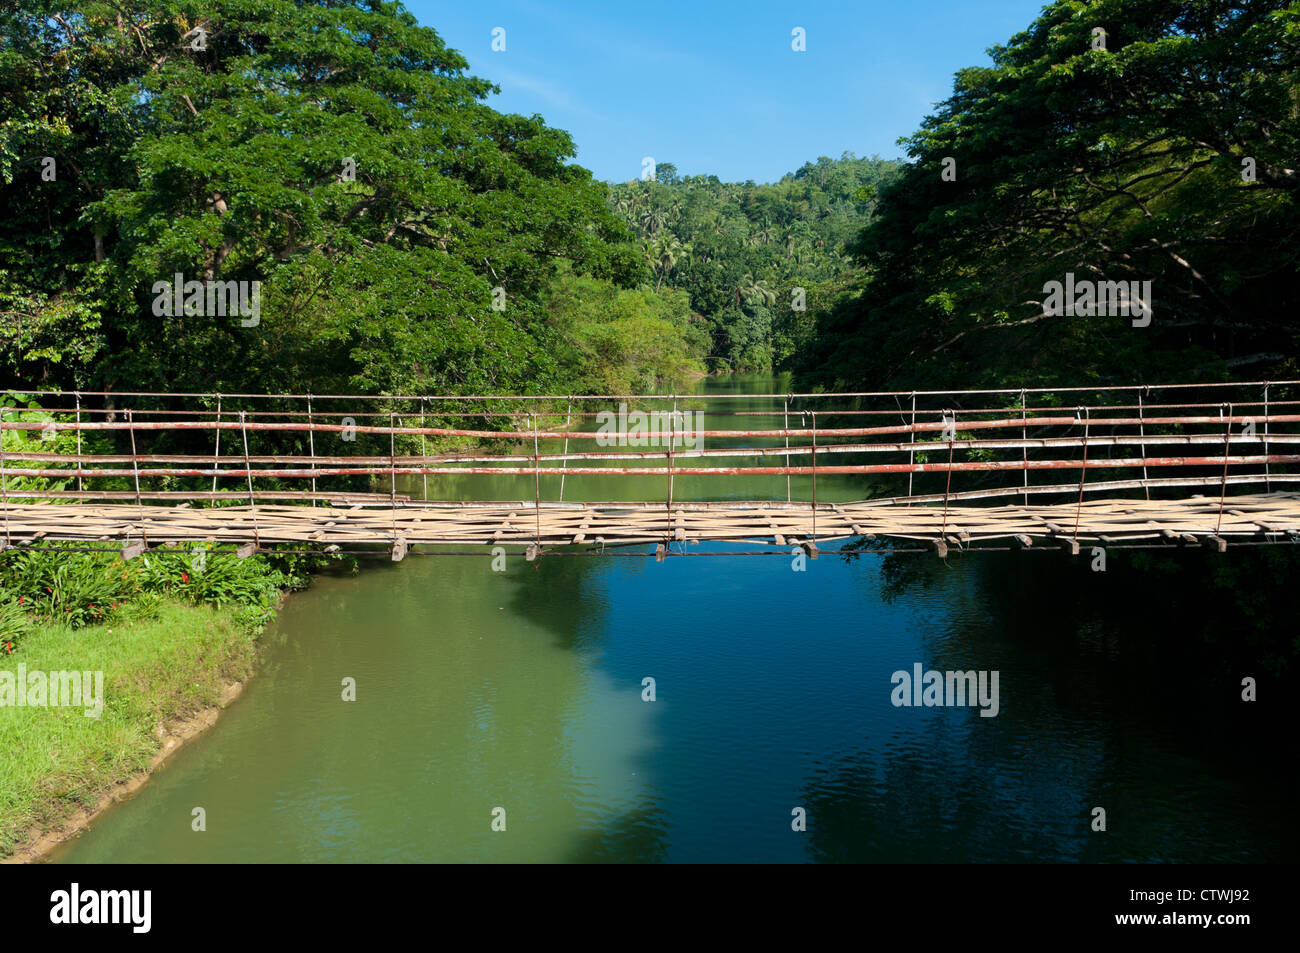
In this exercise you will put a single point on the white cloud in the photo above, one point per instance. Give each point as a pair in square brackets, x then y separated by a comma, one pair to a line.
[548, 92]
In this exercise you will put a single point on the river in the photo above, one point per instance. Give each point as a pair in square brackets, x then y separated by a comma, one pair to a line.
[523, 690]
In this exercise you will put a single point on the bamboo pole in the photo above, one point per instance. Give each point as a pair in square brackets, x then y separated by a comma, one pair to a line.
[4, 484]
[785, 425]
[216, 450]
[559, 434]
[1186, 440]
[1266, 468]
[79, 487]
[252, 501]
[564, 461]
[988, 466]
[911, 450]
[423, 449]
[311, 446]
[1024, 451]
[1142, 434]
[1004, 391]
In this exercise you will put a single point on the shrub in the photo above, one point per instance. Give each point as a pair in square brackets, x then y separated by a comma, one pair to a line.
[14, 624]
[79, 589]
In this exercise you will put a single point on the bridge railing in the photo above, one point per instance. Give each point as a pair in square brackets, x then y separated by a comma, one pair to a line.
[901, 448]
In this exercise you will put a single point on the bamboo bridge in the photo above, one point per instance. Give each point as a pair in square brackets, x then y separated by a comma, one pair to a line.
[1044, 468]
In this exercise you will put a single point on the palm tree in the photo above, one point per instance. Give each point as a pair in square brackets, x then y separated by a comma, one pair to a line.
[753, 289]
[668, 252]
[653, 219]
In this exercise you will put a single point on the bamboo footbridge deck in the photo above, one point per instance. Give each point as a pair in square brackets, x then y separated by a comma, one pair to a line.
[1202, 464]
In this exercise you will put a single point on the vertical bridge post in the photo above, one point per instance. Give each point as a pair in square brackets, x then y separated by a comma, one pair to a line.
[672, 436]
[252, 502]
[4, 485]
[786, 427]
[79, 487]
[216, 451]
[1024, 449]
[911, 452]
[311, 447]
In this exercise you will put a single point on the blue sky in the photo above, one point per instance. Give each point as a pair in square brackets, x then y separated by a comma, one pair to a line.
[714, 87]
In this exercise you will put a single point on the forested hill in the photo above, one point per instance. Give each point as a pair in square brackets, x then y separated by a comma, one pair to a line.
[740, 250]
[1116, 141]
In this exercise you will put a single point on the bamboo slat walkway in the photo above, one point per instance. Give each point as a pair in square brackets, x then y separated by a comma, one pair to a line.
[1178, 464]
[1197, 519]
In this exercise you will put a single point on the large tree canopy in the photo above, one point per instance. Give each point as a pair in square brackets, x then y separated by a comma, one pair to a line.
[334, 151]
[1162, 149]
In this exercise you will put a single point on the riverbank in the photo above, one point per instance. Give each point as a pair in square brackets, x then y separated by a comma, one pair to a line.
[165, 680]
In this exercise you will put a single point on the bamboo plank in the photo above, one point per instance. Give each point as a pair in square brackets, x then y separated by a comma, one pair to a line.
[1109, 521]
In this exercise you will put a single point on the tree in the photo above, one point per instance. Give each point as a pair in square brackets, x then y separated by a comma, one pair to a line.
[1122, 164]
[734, 230]
[337, 153]
[667, 252]
[753, 290]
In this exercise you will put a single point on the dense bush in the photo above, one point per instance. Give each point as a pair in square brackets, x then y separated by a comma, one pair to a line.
[79, 589]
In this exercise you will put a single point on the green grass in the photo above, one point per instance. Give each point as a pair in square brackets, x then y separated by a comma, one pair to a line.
[157, 668]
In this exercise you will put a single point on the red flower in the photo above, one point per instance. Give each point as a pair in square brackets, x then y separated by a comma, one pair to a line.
[22, 599]
[9, 646]
[185, 577]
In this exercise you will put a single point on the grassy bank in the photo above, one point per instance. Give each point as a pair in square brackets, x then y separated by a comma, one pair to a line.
[170, 631]
[157, 671]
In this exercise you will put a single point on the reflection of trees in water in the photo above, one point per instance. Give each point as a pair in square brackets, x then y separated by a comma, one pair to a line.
[637, 836]
[906, 806]
[1110, 696]
[1210, 615]
[560, 593]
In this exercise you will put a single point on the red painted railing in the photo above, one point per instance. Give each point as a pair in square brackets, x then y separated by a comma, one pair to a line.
[1220, 435]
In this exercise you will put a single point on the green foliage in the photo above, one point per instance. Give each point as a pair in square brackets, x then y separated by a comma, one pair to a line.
[14, 622]
[1118, 164]
[232, 162]
[296, 566]
[739, 249]
[625, 341]
[45, 439]
[79, 589]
